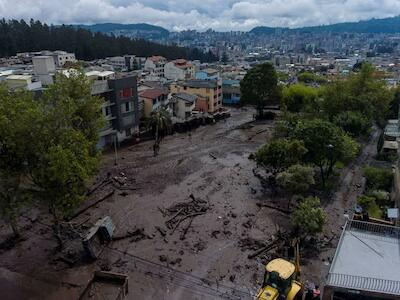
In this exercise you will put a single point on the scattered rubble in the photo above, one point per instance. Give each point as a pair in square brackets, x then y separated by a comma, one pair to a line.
[183, 211]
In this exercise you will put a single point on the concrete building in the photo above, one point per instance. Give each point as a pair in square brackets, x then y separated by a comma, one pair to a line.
[179, 69]
[44, 68]
[153, 99]
[120, 107]
[183, 105]
[155, 65]
[211, 90]
[26, 82]
[61, 57]
[208, 74]
[366, 265]
[230, 92]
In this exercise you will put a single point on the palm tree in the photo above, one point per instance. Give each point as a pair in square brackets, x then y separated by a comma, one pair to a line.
[160, 124]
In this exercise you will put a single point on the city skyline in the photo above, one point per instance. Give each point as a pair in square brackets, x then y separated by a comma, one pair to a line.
[201, 15]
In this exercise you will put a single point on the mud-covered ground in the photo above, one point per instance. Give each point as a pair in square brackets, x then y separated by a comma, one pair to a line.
[211, 261]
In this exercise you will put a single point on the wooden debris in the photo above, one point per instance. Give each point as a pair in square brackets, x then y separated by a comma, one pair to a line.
[182, 211]
[81, 211]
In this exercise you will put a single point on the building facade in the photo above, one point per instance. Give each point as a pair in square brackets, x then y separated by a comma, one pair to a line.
[179, 69]
[210, 90]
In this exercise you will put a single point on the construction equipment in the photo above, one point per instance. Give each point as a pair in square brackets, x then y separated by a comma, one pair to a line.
[282, 279]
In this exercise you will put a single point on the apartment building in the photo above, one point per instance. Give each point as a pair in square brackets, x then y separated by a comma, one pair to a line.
[210, 90]
[179, 69]
[155, 65]
[120, 107]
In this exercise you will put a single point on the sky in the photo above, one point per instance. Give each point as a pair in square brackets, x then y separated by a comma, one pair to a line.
[221, 15]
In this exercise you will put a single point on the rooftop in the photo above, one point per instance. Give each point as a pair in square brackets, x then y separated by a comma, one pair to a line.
[186, 97]
[153, 93]
[367, 258]
[210, 84]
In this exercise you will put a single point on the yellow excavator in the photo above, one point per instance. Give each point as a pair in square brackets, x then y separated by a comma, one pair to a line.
[282, 279]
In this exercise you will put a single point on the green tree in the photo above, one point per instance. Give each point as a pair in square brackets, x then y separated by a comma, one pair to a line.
[326, 144]
[309, 218]
[160, 124]
[297, 179]
[378, 179]
[19, 124]
[353, 123]
[364, 92]
[260, 88]
[68, 155]
[299, 97]
[308, 77]
[281, 153]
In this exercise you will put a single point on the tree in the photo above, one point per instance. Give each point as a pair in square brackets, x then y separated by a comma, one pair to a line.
[160, 124]
[260, 88]
[297, 179]
[309, 218]
[281, 153]
[19, 116]
[298, 97]
[353, 123]
[378, 179]
[326, 144]
[364, 92]
[308, 77]
[68, 154]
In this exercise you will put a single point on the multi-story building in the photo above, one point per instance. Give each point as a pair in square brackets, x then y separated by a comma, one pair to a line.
[211, 90]
[155, 65]
[153, 99]
[230, 91]
[61, 57]
[183, 105]
[120, 107]
[179, 69]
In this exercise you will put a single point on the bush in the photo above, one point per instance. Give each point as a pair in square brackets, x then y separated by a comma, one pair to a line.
[309, 218]
[297, 179]
[369, 205]
[280, 153]
[378, 179]
[353, 123]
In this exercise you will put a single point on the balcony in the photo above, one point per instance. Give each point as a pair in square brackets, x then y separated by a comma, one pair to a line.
[100, 87]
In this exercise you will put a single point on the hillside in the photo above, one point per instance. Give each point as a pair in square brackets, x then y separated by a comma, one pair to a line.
[387, 25]
[18, 36]
[140, 30]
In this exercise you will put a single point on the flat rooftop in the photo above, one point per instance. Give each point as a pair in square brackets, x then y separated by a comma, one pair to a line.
[367, 258]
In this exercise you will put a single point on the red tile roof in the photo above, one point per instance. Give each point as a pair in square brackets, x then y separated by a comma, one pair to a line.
[153, 93]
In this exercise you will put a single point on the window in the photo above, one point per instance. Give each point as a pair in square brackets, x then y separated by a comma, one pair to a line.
[107, 111]
[127, 107]
[125, 93]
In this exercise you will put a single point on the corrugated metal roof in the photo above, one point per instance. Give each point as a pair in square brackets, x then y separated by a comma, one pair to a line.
[186, 97]
[367, 259]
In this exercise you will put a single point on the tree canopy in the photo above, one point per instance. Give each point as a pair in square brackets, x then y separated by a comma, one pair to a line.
[19, 36]
[48, 147]
[309, 218]
[260, 88]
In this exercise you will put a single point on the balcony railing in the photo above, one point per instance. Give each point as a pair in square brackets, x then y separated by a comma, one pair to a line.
[364, 283]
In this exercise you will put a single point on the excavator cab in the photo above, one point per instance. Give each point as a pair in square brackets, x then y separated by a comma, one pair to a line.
[279, 281]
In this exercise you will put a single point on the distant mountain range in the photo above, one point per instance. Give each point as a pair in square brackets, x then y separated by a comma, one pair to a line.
[138, 30]
[387, 25]
[142, 30]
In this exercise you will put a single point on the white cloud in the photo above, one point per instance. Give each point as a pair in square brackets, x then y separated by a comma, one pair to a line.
[200, 14]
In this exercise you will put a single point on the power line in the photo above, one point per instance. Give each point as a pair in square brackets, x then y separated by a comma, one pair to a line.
[180, 277]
